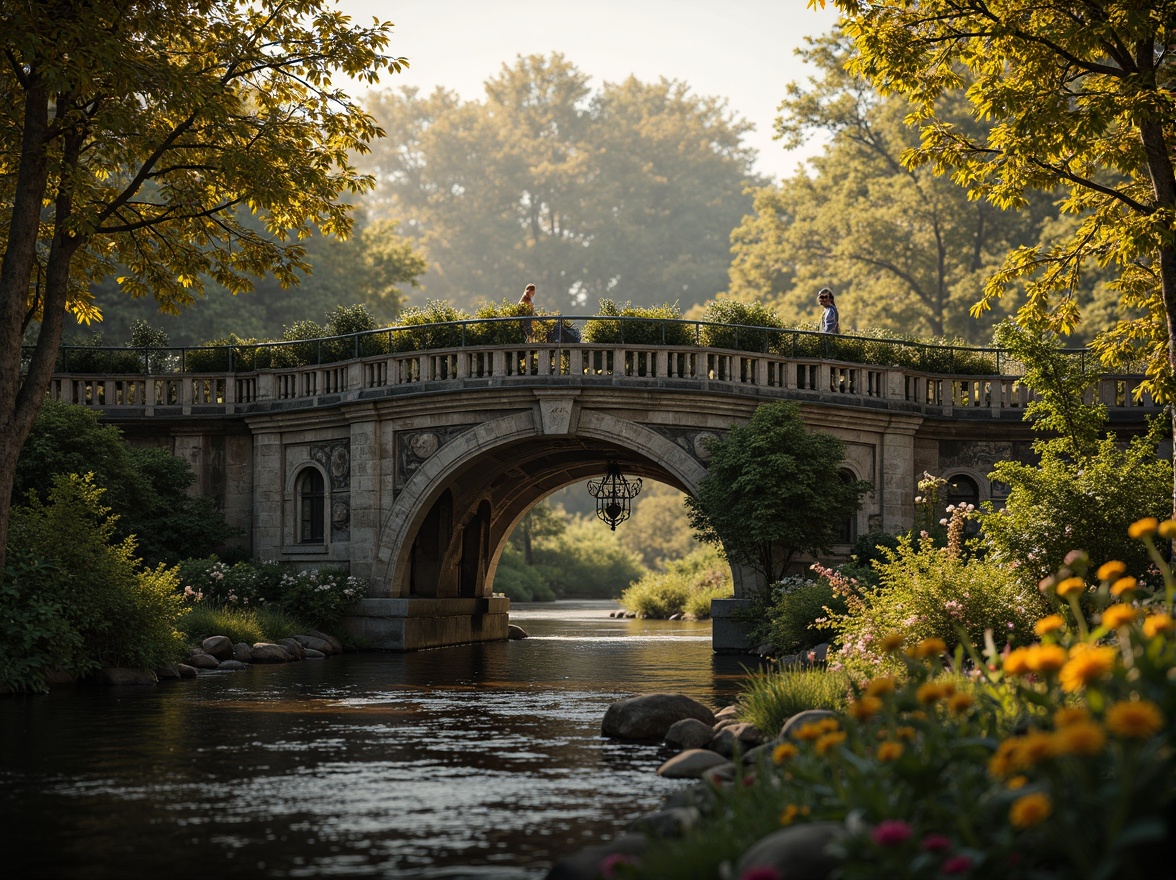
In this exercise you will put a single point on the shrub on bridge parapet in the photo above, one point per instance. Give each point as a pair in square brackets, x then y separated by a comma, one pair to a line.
[428, 327]
[231, 352]
[638, 325]
[499, 332]
[741, 326]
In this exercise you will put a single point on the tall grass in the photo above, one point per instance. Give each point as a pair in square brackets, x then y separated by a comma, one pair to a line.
[771, 698]
[249, 625]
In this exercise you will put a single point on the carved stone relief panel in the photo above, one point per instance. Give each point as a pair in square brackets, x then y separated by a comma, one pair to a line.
[335, 459]
[414, 448]
[693, 442]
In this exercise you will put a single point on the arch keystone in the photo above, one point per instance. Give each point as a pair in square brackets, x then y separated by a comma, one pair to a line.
[556, 414]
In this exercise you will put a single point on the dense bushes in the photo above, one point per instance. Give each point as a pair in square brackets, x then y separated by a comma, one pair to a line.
[687, 586]
[146, 488]
[83, 603]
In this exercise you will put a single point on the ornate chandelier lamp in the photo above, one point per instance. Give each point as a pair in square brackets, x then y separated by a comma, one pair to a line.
[613, 493]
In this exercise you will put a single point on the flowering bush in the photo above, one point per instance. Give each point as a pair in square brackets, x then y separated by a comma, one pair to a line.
[1052, 760]
[318, 598]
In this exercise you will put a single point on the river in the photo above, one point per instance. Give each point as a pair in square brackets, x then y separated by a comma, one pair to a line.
[477, 761]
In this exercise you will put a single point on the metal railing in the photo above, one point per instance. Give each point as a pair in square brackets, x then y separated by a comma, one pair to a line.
[248, 356]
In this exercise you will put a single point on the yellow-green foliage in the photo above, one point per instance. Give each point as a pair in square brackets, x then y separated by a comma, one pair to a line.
[249, 625]
[687, 586]
[771, 698]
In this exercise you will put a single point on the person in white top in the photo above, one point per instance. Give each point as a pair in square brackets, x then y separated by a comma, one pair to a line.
[830, 320]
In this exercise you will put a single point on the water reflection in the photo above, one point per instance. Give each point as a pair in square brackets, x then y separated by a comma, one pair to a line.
[480, 761]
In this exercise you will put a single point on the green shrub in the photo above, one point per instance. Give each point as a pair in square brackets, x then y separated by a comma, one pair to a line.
[36, 634]
[248, 625]
[232, 353]
[793, 615]
[428, 327]
[736, 325]
[88, 588]
[586, 561]
[320, 598]
[687, 586]
[637, 325]
[768, 699]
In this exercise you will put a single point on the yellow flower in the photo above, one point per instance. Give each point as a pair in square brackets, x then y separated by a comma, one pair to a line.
[928, 648]
[1049, 624]
[889, 751]
[1080, 738]
[1070, 715]
[905, 732]
[1112, 570]
[1134, 719]
[1017, 782]
[828, 740]
[1001, 763]
[1029, 810]
[1119, 615]
[1157, 624]
[1123, 585]
[1017, 662]
[1046, 658]
[1167, 529]
[1143, 528]
[810, 731]
[788, 816]
[1086, 664]
[891, 643]
[880, 686]
[865, 708]
[783, 752]
[1071, 585]
[930, 693]
[1033, 748]
[959, 703]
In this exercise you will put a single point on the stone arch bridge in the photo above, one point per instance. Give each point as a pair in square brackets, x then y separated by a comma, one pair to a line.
[412, 468]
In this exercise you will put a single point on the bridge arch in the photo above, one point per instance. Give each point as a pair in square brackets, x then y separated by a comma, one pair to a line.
[444, 534]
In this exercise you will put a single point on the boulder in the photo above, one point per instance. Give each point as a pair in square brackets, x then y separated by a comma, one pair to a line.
[295, 650]
[799, 852]
[312, 654]
[667, 823]
[721, 774]
[726, 712]
[170, 671]
[231, 665]
[203, 661]
[242, 653]
[336, 645]
[800, 719]
[515, 632]
[690, 764]
[120, 676]
[220, 647]
[314, 643]
[737, 737]
[599, 861]
[650, 716]
[186, 671]
[689, 733]
[268, 652]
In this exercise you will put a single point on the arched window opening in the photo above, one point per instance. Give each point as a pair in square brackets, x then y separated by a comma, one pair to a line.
[847, 529]
[962, 489]
[311, 508]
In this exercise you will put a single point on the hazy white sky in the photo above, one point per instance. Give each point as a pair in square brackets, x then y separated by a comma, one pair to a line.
[741, 50]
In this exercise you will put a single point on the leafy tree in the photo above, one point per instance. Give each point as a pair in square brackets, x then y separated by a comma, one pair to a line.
[902, 248]
[130, 134]
[1086, 489]
[580, 192]
[772, 491]
[146, 489]
[658, 530]
[1078, 97]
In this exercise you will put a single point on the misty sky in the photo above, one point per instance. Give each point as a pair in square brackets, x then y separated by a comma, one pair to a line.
[741, 50]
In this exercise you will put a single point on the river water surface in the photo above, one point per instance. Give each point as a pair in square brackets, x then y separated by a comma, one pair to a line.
[478, 761]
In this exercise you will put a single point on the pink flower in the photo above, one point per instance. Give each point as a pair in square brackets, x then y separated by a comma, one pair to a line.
[611, 863]
[761, 872]
[891, 832]
[936, 843]
[957, 865]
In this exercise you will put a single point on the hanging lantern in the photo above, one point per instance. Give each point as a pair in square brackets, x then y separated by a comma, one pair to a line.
[613, 493]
